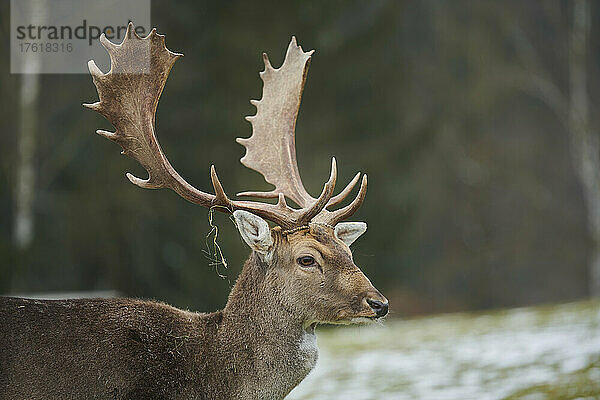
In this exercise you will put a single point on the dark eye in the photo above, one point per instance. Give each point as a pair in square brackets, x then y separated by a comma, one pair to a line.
[306, 261]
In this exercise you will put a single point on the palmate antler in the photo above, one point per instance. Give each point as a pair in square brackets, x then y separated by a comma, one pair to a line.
[271, 150]
[129, 95]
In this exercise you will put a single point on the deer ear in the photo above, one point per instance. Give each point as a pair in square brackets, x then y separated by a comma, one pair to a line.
[348, 232]
[254, 230]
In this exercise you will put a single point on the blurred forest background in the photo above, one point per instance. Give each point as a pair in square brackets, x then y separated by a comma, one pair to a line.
[473, 119]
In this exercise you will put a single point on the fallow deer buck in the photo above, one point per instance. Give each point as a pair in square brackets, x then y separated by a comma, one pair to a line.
[262, 344]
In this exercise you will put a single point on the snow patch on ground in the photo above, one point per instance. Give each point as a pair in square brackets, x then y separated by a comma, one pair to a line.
[461, 356]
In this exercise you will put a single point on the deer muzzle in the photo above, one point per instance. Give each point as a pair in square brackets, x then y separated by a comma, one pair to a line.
[380, 308]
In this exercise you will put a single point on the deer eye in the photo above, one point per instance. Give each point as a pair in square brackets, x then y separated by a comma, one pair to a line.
[306, 261]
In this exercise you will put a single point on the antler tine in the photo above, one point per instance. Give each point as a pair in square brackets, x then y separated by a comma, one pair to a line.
[333, 217]
[337, 199]
[221, 198]
[286, 216]
[278, 213]
[261, 195]
[323, 198]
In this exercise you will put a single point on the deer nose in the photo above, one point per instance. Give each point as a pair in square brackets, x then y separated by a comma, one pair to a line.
[379, 307]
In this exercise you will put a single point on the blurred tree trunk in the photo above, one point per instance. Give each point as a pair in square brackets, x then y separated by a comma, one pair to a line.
[25, 182]
[585, 145]
[573, 110]
[23, 227]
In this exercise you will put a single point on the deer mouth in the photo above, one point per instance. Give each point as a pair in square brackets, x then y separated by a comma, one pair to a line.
[366, 319]
[357, 319]
[363, 320]
[311, 328]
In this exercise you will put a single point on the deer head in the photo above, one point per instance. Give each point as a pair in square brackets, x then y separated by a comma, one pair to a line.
[307, 253]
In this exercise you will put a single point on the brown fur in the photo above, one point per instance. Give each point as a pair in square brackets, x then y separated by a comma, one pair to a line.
[256, 347]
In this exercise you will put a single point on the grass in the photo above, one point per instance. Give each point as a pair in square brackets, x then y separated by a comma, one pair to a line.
[546, 352]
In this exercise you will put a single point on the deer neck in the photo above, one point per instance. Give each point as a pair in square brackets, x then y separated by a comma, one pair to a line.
[279, 351]
[256, 298]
